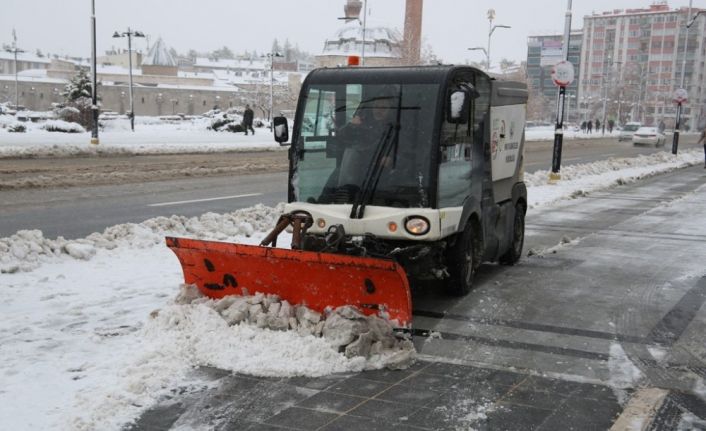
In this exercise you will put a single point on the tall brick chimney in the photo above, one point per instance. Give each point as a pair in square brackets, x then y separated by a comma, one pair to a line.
[413, 31]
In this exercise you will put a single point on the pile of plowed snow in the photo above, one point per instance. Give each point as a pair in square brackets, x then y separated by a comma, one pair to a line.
[27, 249]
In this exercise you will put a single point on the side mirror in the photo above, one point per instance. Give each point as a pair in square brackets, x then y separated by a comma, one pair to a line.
[281, 130]
[459, 103]
[457, 108]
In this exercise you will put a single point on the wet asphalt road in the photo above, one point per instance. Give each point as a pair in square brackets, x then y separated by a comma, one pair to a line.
[75, 212]
[601, 327]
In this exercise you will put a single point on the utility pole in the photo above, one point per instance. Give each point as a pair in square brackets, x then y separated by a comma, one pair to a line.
[563, 76]
[130, 34]
[94, 79]
[15, 50]
[365, 26]
[675, 139]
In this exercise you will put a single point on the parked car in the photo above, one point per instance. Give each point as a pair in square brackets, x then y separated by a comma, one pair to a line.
[649, 136]
[628, 130]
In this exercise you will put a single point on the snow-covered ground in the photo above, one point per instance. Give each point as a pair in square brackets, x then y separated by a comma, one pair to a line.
[151, 136]
[84, 347]
[155, 136]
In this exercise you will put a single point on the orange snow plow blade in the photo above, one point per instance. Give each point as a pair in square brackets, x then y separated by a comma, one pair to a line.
[317, 280]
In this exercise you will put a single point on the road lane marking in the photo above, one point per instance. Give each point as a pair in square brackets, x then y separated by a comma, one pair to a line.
[222, 198]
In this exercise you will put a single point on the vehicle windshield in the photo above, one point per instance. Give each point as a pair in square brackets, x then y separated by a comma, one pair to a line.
[343, 126]
[631, 127]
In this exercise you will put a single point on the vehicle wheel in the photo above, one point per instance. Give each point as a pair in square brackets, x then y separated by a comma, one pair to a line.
[463, 260]
[514, 253]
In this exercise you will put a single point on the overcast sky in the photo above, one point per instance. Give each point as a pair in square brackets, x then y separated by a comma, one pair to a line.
[449, 26]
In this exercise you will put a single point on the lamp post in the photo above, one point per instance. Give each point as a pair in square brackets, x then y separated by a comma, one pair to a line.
[130, 34]
[480, 48]
[491, 30]
[15, 50]
[271, 56]
[94, 79]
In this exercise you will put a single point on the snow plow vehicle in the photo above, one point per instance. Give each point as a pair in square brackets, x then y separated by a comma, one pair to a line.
[395, 173]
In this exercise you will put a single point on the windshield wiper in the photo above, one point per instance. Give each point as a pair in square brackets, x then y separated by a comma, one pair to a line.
[389, 140]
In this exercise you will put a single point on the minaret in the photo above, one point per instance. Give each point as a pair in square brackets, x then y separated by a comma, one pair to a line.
[352, 9]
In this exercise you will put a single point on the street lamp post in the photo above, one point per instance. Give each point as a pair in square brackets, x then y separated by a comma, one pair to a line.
[15, 50]
[130, 34]
[271, 56]
[480, 48]
[491, 29]
[94, 79]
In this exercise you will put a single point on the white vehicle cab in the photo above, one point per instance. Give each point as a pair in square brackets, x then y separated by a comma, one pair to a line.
[649, 136]
[628, 131]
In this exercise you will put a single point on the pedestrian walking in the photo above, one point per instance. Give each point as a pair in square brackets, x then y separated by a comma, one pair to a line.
[583, 127]
[589, 126]
[611, 124]
[598, 125]
[702, 139]
[661, 126]
[247, 120]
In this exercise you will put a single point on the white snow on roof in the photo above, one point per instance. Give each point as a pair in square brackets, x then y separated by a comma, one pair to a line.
[231, 63]
[380, 41]
[23, 78]
[159, 56]
[23, 56]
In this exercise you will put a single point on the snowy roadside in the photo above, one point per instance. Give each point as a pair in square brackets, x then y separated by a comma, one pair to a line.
[154, 137]
[83, 349]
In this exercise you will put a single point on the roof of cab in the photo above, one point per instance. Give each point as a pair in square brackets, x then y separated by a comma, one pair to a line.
[404, 74]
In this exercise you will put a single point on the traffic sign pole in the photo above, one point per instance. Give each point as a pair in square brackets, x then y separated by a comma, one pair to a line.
[563, 76]
[680, 96]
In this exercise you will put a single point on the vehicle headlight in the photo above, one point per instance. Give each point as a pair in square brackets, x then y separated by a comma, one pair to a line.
[417, 225]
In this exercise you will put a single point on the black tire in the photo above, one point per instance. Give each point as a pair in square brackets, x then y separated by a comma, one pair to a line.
[463, 261]
[514, 253]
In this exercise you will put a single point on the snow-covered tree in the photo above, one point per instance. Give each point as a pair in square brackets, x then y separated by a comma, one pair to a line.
[288, 51]
[224, 52]
[275, 46]
[78, 98]
[79, 86]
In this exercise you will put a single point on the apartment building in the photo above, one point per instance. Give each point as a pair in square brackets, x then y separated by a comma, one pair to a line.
[631, 65]
[543, 52]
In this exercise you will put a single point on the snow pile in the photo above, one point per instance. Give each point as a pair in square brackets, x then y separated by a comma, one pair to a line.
[258, 335]
[27, 249]
[62, 126]
[578, 180]
[345, 329]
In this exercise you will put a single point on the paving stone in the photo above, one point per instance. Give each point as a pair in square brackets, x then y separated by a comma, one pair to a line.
[319, 383]
[433, 381]
[545, 384]
[505, 378]
[388, 376]
[538, 399]
[511, 417]
[358, 387]
[458, 371]
[331, 402]
[387, 410]
[445, 418]
[583, 414]
[301, 419]
[355, 423]
[412, 395]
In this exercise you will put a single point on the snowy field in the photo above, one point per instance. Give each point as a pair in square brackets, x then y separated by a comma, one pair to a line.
[92, 334]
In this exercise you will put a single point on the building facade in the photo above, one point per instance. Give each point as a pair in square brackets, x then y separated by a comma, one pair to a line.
[631, 65]
[543, 52]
